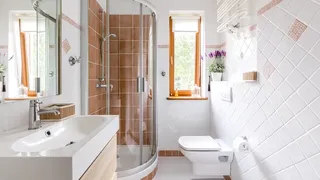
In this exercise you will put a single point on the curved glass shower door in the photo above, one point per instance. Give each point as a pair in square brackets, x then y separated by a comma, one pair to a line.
[131, 69]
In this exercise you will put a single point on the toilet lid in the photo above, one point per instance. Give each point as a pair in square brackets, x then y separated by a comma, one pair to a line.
[199, 143]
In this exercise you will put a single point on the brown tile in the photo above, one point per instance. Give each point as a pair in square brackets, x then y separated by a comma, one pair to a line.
[175, 153]
[115, 101]
[168, 153]
[92, 104]
[146, 20]
[125, 73]
[115, 31]
[125, 47]
[125, 34]
[125, 20]
[114, 60]
[122, 124]
[114, 21]
[136, 34]
[125, 60]
[92, 18]
[136, 47]
[92, 54]
[114, 111]
[92, 36]
[98, 25]
[127, 87]
[92, 4]
[115, 73]
[92, 88]
[162, 153]
[92, 71]
[114, 46]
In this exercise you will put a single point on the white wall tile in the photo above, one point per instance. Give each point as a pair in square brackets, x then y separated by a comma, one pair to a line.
[285, 68]
[315, 134]
[276, 37]
[307, 145]
[316, 50]
[315, 79]
[308, 65]
[306, 171]
[276, 121]
[308, 39]
[295, 128]
[285, 45]
[276, 58]
[315, 22]
[295, 103]
[284, 109]
[315, 162]
[286, 23]
[308, 11]
[293, 174]
[295, 7]
[295, 79]
[284, 136]
[315, 107]
[296, 54]
[308, 92]
[308, 119]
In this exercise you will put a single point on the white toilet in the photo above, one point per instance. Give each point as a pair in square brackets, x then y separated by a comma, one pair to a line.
[210, 157]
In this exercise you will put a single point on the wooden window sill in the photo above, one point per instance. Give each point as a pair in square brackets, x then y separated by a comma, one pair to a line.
[187, 98]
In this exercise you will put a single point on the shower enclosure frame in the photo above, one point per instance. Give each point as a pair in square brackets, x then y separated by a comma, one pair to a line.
[85, 85]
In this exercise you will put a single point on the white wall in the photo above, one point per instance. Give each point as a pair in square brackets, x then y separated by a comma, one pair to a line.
[181, 118]
[16, 114]
[279, 113]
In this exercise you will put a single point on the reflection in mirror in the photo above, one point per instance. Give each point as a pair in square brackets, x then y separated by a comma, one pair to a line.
[29, 49]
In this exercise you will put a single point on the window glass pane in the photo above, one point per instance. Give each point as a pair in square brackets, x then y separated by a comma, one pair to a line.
[184, 60]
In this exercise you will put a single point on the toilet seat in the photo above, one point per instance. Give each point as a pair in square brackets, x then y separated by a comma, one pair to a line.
[199, 143]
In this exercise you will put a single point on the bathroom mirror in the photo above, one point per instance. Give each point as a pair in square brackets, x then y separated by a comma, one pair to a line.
[30, 34]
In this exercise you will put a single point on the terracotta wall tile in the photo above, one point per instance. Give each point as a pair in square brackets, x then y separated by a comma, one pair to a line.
[114, 21]
[126, 21]
[114, 46]
[125, 47]
[125, 34]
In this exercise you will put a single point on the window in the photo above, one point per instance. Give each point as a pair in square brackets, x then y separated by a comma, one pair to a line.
[185, 40]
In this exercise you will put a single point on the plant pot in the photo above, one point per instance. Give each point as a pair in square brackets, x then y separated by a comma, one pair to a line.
[216, 76]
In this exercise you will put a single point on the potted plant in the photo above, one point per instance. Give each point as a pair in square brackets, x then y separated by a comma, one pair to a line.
[2, 69]
[217, 67]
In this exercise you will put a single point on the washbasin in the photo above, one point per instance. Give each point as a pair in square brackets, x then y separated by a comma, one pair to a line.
[59, 135]
[59, 150]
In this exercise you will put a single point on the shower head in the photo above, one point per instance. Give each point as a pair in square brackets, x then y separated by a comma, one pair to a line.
[110, 35]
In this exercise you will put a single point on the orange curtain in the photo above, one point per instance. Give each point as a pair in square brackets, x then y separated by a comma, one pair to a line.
[24, 61]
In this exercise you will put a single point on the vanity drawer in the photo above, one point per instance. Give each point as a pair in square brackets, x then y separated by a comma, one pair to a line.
[105, 165]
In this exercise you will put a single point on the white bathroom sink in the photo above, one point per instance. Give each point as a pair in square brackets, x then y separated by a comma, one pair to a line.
[59, 150]
[58, 135]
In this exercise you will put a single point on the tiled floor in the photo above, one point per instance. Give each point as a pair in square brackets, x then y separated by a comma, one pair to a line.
[176, 168]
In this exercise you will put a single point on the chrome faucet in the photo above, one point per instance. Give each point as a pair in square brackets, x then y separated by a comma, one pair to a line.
[35, 112]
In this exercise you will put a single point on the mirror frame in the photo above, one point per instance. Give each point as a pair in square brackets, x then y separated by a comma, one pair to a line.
[59, 46]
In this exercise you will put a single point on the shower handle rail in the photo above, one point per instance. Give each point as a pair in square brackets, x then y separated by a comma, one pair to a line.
[140, 84]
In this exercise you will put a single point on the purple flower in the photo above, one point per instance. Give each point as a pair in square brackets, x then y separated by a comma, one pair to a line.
[217, 54]
[201, 57]
[211, 55]
[223, 53]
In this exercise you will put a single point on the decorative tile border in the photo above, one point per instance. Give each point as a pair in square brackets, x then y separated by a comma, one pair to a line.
[297, 29]
[269, 6]
[66, 46]
[170, 153]
[151, 175]
[70, 21]
[216, 46]
[3, 47]
[163, 46]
